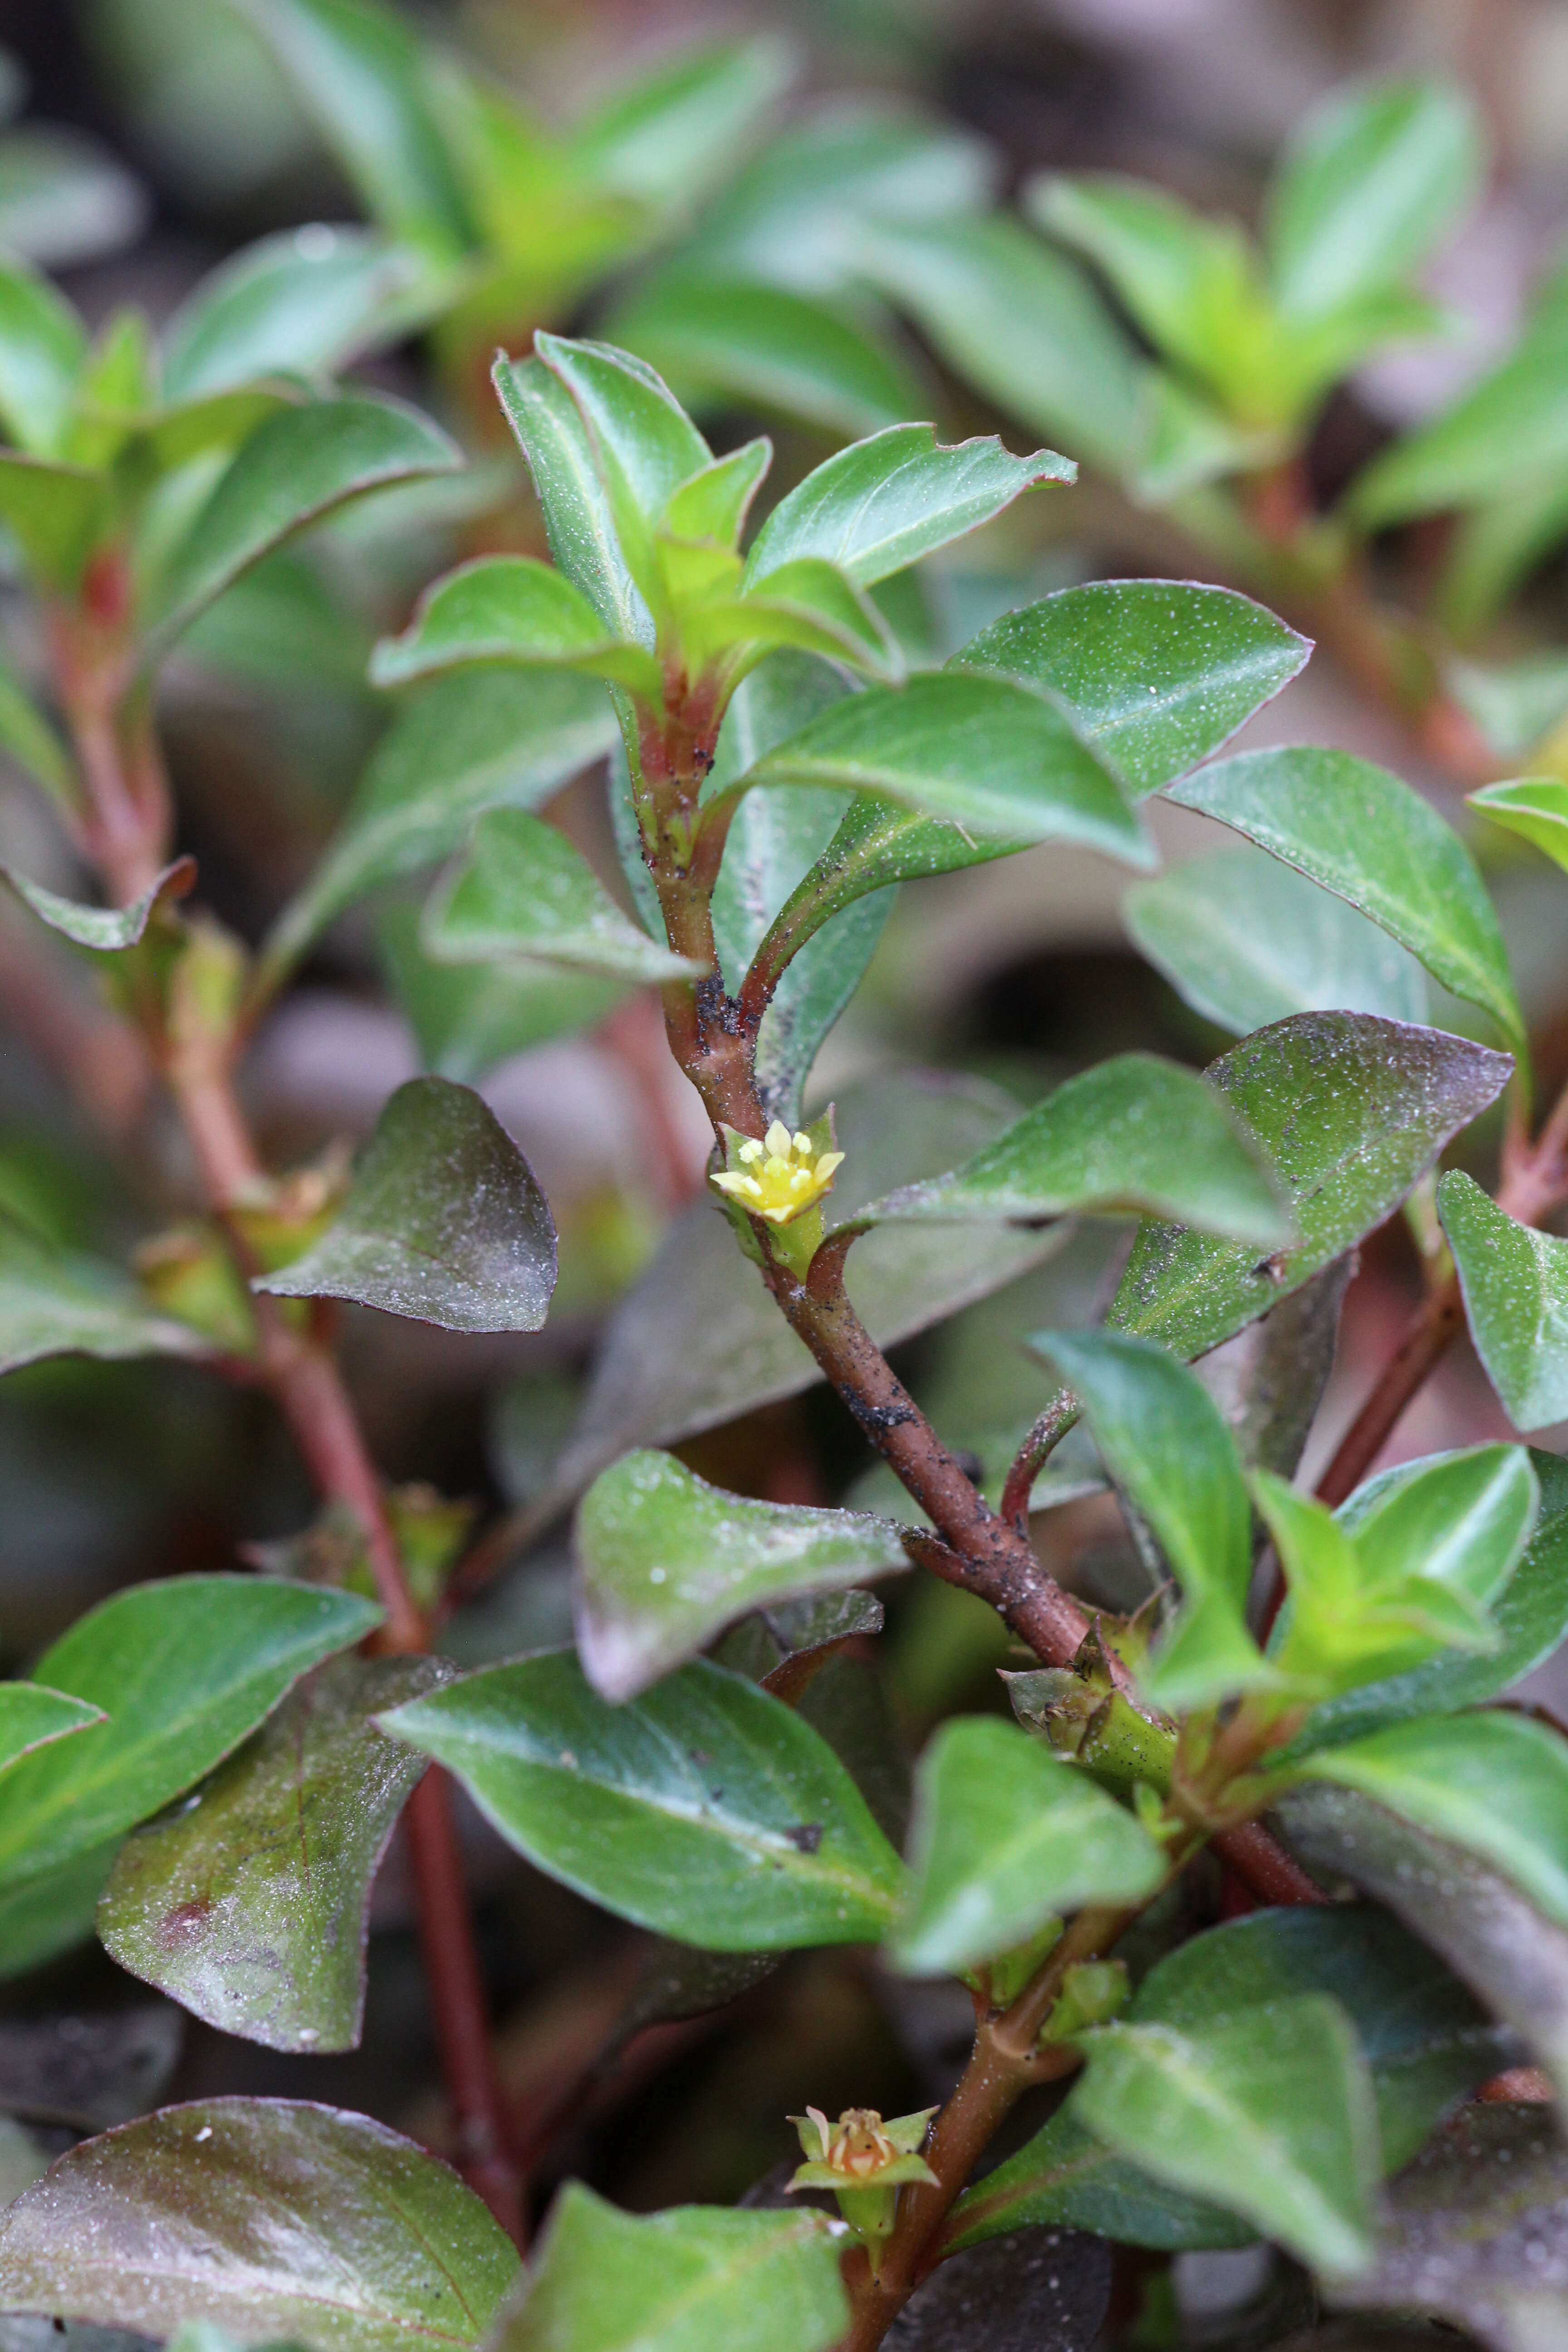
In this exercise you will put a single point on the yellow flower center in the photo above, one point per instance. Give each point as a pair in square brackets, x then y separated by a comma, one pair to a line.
[781, 1176]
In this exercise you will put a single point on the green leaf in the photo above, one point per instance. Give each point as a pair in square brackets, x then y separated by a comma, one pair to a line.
[644, 444]
[807, 602]
[465, 745]
[664, 137]
[1351, 1111]
[184, 1670]
[526, 893]
[105, 930]
[1536, 809]
[719, 342]
[43, 349]
[664, 1562]
[1515, 1282]
[510, 608]
[1494, 1785]
[577, 515]
[444, 1221]
[53, 512]
[249, 1904]
[1370, 181]
[29, 739]
[1156, 674]
[696, 2278]
[269, 2217]
[1134, 1135]
[879, 506]
[360, 72]
[1424, 2038]
[57, 1302]
[1161, 1436]
[979, 752]
[52, 1910]
[1023, 324]
[64, 198]
[705, 1810]
[1530, 1614]
[1268, 2112]
[1462, 1519]
[696, 1339]
[467, 1017]
[1363, 835]
[33, 1717]
[303, 301]
[1247, 941]
[302, 464]
[1005, 1837]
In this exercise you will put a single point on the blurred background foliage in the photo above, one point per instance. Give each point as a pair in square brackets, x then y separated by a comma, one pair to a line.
[814, 219]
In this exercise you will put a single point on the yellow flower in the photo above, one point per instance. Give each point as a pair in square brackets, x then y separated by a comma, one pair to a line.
[780, 1177]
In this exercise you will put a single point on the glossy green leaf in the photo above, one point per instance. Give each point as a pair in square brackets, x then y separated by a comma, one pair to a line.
[556, 441]
[1536, 809]
[664, 1562]
[184, 1671]
[696, 1339]
[105, 930]
[1351, 1111]
[510, 608]
[1005, 1837]
[1247, 941]
[1023, 324]
[1135, 1135]
[250, 1903]
[358, 70]
[1424, 2038]
[303, 464]
[53, 512]
[1515, 1282]
[526, 892]
[59, 1302]
[444, 1221]
[1494, 1785]
[465, 745]
[763, 347]
[644, 444]
[1161, 1437]
[1368, 837]
[882, 504]
[467, 1017]
[1268, 2112]
[988, 756]
[32, 1717]
[695, 2278]
[1157, 674]
[272, 2218]
[29, 739]
[807, 602]
[303, 301]
[705, 1810]
[43, 347]
[1370, 180]
[1462, 1518]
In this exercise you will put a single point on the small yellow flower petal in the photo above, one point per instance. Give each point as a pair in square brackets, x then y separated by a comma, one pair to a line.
[777, 1139]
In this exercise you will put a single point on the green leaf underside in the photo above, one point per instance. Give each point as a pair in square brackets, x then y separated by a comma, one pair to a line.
[1425, 2039]
[1515, 1285]
[1157, 674]
[444, 1221]
[1495, 1785]
[526, 892]
[704, 1810]
[1270, 2111]
[664, 1562]
[55, 1302]
[465, 745]
[1360, 832]
[248, 1906]
[267, 2217]
[1133, 1136]
[1247, 941]
[33, 1717]
[184, 1671]
[1351, 1111]
[1006, 1836]
[105, 930]
[297, 468]
[988, 756]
